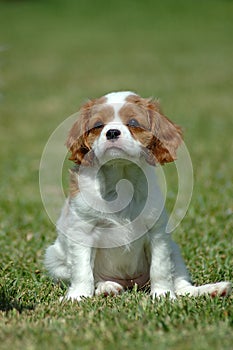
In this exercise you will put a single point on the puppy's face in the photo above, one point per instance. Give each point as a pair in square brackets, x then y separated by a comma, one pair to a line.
[121, 125]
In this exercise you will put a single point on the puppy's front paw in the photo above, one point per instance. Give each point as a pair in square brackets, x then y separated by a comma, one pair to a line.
[158, 293]
[74, 294]
[108, 288]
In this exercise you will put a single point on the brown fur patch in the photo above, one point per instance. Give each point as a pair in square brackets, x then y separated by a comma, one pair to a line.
[77, 141]
[74, 187]
[164, 137]
[167, 136]
[144, 103]
[103, 114]
[133, 111]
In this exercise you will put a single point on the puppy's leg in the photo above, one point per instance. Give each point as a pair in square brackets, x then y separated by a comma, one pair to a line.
[182, 281]
[183, 285]
[56, 262]
[82, 280]
[108, 288]
[161, 270]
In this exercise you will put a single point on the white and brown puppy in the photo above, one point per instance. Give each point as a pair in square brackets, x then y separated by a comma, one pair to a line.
[100, 251]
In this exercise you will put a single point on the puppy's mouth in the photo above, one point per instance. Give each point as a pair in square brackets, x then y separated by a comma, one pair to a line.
[119, 148]
[114, 150]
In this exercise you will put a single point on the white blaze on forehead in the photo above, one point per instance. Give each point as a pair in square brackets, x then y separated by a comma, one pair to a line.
[118, 97]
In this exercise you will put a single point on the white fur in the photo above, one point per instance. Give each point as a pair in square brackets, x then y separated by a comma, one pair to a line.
[118, 97]
[80, 253]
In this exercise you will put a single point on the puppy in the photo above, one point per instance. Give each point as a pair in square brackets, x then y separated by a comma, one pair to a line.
[111, 233]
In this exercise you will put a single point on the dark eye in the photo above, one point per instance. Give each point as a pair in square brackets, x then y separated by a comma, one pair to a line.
[98, 125]
[133, 122]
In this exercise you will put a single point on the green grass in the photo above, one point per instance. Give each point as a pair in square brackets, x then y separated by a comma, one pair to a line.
[55, 54]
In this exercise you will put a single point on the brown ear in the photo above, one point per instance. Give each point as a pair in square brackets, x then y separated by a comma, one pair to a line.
[166, 138]
[77, 141]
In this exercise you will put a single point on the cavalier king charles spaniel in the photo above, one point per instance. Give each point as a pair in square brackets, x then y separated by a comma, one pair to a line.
[111, 232]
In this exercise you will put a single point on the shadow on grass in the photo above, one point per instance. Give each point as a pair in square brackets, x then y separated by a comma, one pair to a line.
[8, 302]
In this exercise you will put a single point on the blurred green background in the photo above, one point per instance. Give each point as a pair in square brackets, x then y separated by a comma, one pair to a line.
[56, 54]
[53, 56]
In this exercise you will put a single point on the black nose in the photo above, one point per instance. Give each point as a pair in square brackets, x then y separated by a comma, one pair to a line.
[113, 134]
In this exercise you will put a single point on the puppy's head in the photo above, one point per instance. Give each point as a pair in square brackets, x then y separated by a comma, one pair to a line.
[123, 124]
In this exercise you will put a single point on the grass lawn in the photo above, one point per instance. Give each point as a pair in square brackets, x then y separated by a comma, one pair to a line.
[54, 55]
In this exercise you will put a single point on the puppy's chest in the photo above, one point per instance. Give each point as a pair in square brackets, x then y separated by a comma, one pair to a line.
[124, 263]
[118, 204]
[124, 198]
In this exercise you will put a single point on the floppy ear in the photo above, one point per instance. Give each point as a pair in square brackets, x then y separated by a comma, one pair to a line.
[166, 138]
[77, 141]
